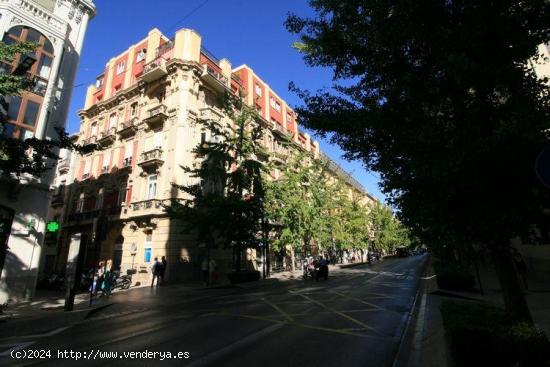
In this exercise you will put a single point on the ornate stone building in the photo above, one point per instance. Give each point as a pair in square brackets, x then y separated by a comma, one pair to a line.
[143, 111]
[59, 28]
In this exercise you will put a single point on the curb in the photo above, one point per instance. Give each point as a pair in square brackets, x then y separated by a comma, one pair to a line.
[405, 337]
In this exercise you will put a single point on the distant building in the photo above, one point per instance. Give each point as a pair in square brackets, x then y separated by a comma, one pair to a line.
[143, 110]
[59, 28]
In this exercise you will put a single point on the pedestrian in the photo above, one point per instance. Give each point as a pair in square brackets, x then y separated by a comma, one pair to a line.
[107, 275]
[155, 271]
[212, 270]
[100, 277]
[162, 269]
[204, 269]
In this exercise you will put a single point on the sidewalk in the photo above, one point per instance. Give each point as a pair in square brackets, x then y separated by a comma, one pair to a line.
[426, 341]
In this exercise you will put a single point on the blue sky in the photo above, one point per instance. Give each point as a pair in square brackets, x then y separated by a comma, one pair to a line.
[243, 31]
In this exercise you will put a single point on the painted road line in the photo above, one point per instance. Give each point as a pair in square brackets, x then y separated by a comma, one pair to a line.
[278, 309]
[355, 321]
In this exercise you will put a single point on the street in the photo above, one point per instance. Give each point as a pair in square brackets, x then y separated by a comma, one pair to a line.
[356, 318]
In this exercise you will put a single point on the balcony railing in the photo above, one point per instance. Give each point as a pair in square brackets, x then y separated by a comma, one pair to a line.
[156, 116]
[280, 128]
[151, 160]
[154, 70]
[107, 137]
[147, 205]
[214, 78]
[63, 166]
[91, 140]
[164, 48]
[127, 128]
[210, 113]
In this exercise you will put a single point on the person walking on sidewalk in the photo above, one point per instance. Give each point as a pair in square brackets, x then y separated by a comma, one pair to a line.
[162, 269]
[107, 275]
[155, 270]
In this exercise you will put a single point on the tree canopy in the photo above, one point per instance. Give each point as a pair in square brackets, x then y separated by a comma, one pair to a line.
[438, 97]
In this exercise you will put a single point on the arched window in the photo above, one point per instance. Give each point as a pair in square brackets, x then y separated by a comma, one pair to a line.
[24, 109]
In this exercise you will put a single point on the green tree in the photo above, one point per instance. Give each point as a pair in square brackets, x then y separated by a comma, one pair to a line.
[224, 205]
[297, 204]
[388, 232]
[440, 99]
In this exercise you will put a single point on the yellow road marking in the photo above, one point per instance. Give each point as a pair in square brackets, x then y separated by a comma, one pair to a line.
[355, 321]
[278, 309]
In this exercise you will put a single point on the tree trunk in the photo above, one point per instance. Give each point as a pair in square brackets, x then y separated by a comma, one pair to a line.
[292, 259]
[512, 292]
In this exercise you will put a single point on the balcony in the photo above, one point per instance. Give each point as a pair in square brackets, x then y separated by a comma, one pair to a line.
[107, 137]
[154, 70]
[210, 114]
[278, 128]
[127, 128]
[127, 164]
[146, 208]
[64, 166]
[151, 160]
[91, 140]
[214, 78]
[156, 117]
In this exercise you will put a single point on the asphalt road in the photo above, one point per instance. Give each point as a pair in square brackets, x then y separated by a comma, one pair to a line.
[356, 318]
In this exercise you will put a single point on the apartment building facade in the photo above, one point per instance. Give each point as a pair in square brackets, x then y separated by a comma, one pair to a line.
[58, 27]
[144, 112]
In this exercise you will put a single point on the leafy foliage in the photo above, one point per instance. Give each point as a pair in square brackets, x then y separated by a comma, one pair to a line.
[224, 204]
[439, 97]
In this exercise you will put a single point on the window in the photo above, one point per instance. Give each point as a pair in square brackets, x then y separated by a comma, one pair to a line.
[148, 251]
[258, 90]
[45, 66]
[31, 113]
[275, 104]
[99, 200]
[9, 129]
[87, 167]
[128, 152]
[93, 131]
[106, 162]
[151, 187]
[122, 195]
[141, 55]
[13, 110]
[113, 120]
[80, 203]
[121, 66]
[25, 134]
[133, 109]
[99, 82]
[158, 139]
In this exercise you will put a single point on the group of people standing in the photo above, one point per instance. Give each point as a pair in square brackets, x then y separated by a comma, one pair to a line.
[103, 279]
[158, 270]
